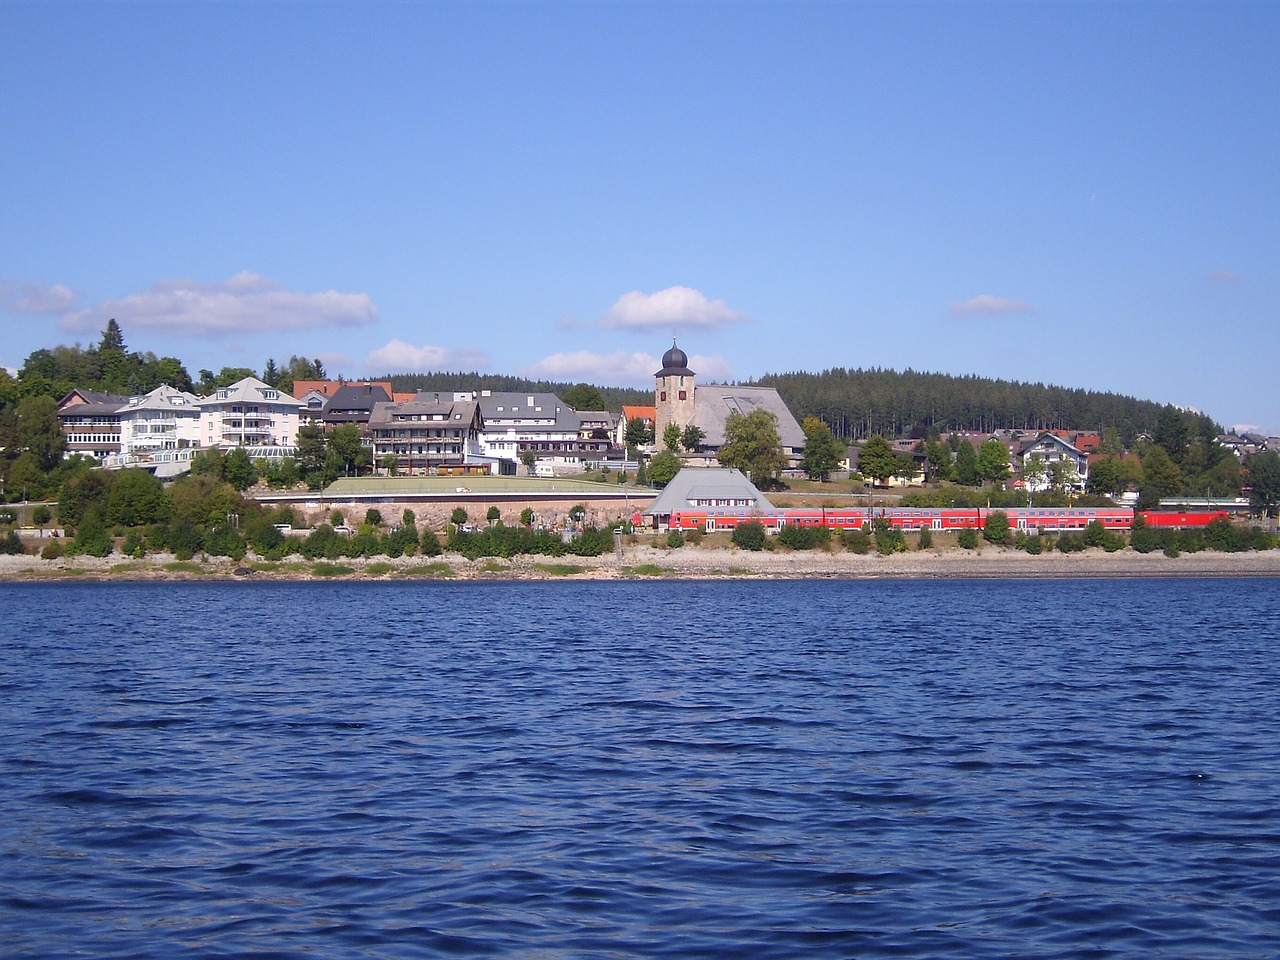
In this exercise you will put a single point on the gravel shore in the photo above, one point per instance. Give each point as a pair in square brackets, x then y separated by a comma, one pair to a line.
[651, 562]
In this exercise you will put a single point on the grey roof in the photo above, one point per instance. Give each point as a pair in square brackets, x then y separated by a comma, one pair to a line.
[428, 409]
[164, 397]
[544, 409]
[675, 363]
[1053, 438]
[250, 390]
[95, 402]
[707, 483]
[712, 404]
[354, 401]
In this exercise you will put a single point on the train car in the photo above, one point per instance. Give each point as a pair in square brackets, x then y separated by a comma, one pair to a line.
[1184, 520]
[942, 519]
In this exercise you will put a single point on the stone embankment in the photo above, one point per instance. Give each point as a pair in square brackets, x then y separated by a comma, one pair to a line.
[652, 562]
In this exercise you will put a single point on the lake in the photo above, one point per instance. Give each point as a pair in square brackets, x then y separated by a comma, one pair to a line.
[828, 769]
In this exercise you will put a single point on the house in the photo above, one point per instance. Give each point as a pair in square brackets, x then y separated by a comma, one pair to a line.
[429, 434]
[164, 419]
[679, 399]
[538, 424]
[719, 491]
[1052, 449]
[312, 410]
[596, 424]
[90, 420]
[248, 413]
[353, 403]
[631, 413]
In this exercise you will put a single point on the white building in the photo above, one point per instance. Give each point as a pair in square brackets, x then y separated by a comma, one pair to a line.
[540, 424]
[248, 413]
[164, 419]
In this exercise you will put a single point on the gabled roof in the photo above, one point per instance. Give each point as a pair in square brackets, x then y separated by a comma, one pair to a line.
[426, 410]
[355, 401]
[528, 408]
[250, 390]
[82, 400]
[164, 397]
[1051, 438]
[329, 387]
[712, 404]
[632, 412]
[691, 484]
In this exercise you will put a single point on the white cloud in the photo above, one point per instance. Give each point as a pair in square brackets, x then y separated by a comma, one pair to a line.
[617, 369]
[400, 357]
[672, 310]
[21, 296]
[985, 305]
[247, 303]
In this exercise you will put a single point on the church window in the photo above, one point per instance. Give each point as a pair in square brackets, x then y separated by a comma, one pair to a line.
[662, 395]
[684, 395]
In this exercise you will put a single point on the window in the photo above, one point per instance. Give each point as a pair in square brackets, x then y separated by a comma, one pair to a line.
[684, 395]
[663, 395]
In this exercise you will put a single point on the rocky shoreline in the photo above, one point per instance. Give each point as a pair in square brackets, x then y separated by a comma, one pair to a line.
[646, 562]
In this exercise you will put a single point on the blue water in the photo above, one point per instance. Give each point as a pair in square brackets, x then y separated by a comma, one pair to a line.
[728, 769]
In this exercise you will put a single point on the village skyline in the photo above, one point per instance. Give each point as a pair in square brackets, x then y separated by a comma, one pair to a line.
[1077, 195]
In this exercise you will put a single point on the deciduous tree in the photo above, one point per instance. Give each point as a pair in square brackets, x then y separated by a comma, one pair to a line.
[1263, 470]
[663, 468]
[822, 451]
[877, 460]
[752, 445]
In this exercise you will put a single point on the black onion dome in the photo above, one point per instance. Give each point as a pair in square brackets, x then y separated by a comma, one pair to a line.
[675, 363]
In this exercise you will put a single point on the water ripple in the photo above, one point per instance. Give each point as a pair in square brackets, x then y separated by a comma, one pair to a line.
[825, 770]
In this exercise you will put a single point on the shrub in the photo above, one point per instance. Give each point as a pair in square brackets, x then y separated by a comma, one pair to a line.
[750, 535]
[802, 538]
[92, 538]
[135, 545]
[52, 550]
[224, 540]
[967, 538]
[1071, 543]
[1034, 545]
[888, 539]
[675, 539]
[11, 543]
[996, 529]
[925, 540]
[856, 541]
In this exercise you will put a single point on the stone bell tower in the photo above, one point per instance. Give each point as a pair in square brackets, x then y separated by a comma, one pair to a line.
[672, 392]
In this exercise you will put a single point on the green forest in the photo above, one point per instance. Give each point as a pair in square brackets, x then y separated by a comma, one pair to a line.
[855, 403]
[862, 403]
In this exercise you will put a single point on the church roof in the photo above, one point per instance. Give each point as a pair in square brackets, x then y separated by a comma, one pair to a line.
[714, 402]
[675, 363]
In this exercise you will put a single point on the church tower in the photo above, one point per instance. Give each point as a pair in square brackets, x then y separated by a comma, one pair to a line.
[672, 392]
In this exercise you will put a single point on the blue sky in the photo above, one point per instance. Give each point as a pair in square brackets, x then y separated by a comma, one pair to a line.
[1079, 193]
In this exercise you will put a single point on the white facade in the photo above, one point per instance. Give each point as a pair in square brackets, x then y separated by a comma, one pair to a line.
[164, 419]
[248, 413]
[518, 422]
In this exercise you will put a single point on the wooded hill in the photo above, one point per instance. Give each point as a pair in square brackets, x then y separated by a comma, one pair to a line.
[859, 403]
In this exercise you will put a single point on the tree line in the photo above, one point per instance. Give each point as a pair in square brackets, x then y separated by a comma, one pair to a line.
[860, 403]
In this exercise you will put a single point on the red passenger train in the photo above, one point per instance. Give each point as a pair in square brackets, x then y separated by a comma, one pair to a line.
[1053, 519]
